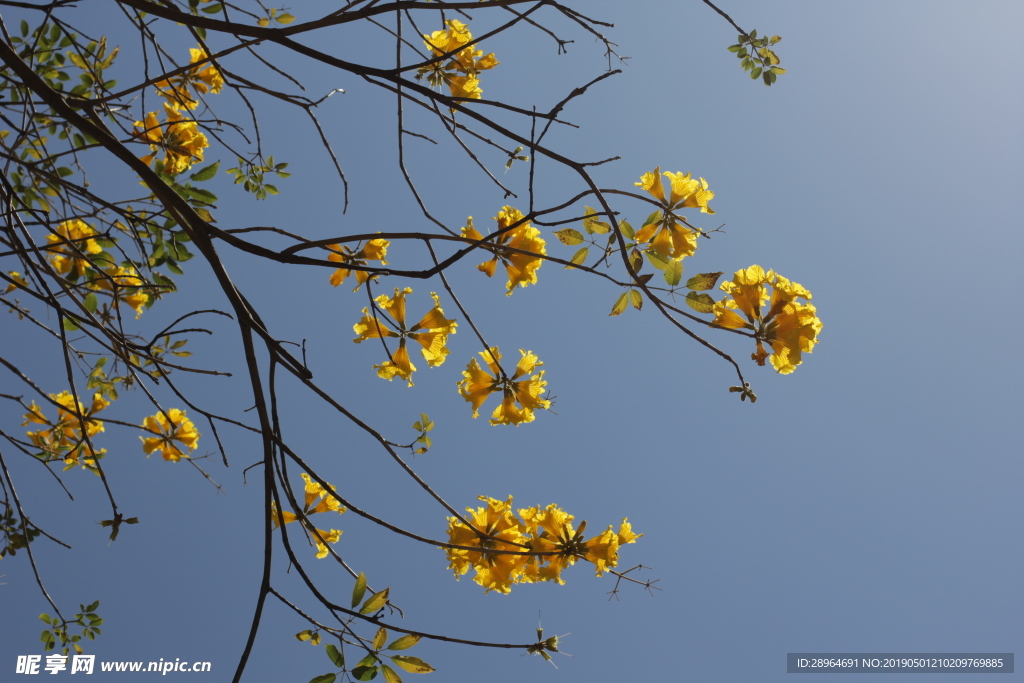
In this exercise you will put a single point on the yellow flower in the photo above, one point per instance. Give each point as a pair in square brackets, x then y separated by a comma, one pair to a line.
[494, 571]
[517, 248]
[375, 250]
[181, 142]
[790, 327]
[324, 501]
[550, 530]
[317, 499]
[203, 79]
[431, 332]
[128, 287]
[67, 249]
[177, 429]
[522, 388]
[64, 440]
[19, 281]
[332, 536]
[460, 70]
[667, 233]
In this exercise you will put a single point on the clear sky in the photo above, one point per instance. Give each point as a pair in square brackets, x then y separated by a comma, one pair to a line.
[869, 502]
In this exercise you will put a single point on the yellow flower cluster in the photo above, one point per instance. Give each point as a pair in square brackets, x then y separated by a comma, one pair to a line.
[177, 137]
[69, 251]
[74, 239]
[517, 248]
[463, 63]
[668, 236]
[202, 79]
[171, 429]
[537, 530]
[180, 140]
[431, 332]
[65, 439]
[317, 499]
[788, 326]
[126, 285]
[374, 250]
[523, 388]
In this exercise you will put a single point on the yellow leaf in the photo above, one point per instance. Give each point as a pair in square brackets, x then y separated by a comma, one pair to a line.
[263, 22]
[78, 61]
[620, 304]
[412, 664]
[636, 298]
[378, 640]
[579, 257]
[110, 59]
[702, 303]
[569, 236]
[703, 281]
[405, 642]
[285, 18]
[389, 674]
[375, 602]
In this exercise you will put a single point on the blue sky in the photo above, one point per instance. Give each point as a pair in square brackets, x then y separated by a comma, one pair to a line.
[869, 502]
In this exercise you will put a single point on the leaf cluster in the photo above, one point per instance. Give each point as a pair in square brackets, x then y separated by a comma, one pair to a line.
[757, 57]
[89, 621]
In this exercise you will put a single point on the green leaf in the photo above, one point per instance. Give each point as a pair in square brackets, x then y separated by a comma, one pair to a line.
[579, 257]
[364, 673]
[777, 70]
[69, 325]
[405, 642]
[703, 281]
[205, 173]
[674, 272]
[213, 9]
[412, 664]
[96, 604]
[202, 195]
[702, 303]
[336, 656]
[389, 674]
[359, 589]
[620, 304]
[636, 298]
[627, 229]
[90, 302]
[380, 638]
[375, 602]
[325, 678]
[733, 48]
[569, 236]
[755, 74]
[657, 260]
[652, 219]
